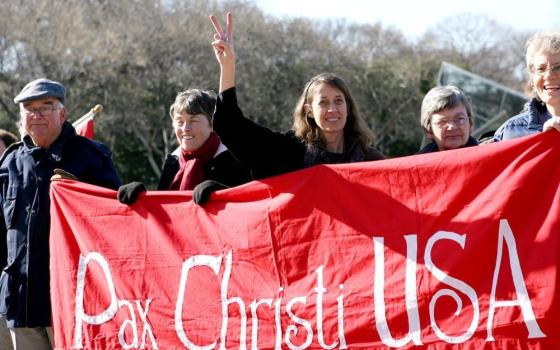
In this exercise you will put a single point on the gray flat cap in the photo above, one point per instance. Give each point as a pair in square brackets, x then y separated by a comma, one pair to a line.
[41, 88]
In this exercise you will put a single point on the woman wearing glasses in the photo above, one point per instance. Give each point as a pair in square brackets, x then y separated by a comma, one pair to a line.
[446, 119]
[542, 112]
[327, 128]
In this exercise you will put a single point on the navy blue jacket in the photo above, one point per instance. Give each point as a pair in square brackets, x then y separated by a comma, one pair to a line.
[25, 173]
[529, 122]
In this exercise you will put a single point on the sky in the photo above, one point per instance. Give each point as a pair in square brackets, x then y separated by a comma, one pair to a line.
[414, 17]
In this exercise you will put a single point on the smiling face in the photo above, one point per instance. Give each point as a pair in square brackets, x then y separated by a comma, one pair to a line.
[328, 109]
[42, 120]
[450, 128]
[191, 131]
[545, 77]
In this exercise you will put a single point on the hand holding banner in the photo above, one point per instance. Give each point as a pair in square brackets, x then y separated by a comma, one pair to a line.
[453, 250]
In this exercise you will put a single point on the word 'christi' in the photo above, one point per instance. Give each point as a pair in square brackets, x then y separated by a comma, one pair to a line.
[282, 307]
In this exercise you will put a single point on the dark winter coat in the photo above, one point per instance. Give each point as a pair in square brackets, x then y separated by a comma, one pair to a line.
[25, 173]
[223, 168]
[433, 147]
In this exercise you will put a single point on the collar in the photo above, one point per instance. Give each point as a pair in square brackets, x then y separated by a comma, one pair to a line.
[54, 151]
[538, 114]
[433, 147]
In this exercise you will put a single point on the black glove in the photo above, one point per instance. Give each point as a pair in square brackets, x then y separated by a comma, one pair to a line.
[203, 190]
[128, 193]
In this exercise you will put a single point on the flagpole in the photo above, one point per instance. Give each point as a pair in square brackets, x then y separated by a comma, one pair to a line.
[92, 113]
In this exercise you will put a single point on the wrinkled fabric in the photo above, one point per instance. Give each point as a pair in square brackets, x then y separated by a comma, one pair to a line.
[351, 253]
[25, 174]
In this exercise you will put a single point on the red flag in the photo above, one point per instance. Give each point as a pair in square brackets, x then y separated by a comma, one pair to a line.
[84, 125]
[452, 250]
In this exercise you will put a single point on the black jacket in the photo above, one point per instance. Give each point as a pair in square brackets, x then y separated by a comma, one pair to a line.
[25, 173]
[433, 147]
[267, 153]
[223, 168]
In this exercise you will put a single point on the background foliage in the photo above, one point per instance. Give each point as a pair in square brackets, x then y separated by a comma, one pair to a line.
[133, 56]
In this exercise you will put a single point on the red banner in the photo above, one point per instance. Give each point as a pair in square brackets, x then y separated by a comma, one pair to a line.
[453, 250]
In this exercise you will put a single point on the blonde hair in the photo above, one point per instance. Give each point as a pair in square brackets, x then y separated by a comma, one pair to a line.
[547, 41]
[309, 132]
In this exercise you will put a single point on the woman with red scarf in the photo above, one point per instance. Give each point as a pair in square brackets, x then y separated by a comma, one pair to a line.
[201, 155]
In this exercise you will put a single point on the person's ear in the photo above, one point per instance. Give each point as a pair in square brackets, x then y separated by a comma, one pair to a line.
[429, 135]
[63, 114]
[308, 111]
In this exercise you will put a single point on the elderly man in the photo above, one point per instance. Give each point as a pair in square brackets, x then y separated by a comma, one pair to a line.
[50, 143]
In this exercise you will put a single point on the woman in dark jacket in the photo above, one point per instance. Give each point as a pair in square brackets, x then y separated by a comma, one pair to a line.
[446, 119]
[328, 127]
[201, 155]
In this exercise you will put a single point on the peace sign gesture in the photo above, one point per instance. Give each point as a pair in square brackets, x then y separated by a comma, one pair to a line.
[223, 49]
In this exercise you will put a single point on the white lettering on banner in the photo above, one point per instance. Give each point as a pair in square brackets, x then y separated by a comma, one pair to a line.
[278, 320]
[292, 329]
[506, 234]
[147, 327]
[129, 328]
[130, 323]
[320, 290]
[213, 262]
[111, 310]
[225, 304]
[340, 318]
[255, 320]
[453, 282]
[79, 313]
[410, 294]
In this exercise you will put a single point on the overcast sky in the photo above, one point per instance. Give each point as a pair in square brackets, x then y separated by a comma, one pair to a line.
[414, 17]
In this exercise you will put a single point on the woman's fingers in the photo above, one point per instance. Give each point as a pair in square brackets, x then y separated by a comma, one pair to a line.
[228, 35]
[229, 26]
[217, 26]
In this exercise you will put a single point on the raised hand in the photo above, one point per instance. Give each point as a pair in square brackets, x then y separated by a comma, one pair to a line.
[223, 49]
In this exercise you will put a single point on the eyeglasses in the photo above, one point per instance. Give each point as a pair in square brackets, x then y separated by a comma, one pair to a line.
[45, 110]
[459, 121]
[541, 71]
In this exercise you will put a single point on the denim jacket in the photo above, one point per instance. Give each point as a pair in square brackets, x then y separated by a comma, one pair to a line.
[529, 122]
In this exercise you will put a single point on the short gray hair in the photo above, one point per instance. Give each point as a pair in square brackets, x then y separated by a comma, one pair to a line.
[440, 98]
[194, 101]
[545, 41]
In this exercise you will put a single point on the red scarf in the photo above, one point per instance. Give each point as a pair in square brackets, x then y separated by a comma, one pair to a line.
[191, 164]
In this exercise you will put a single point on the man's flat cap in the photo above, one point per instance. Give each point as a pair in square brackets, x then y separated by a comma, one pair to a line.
[41, 88]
